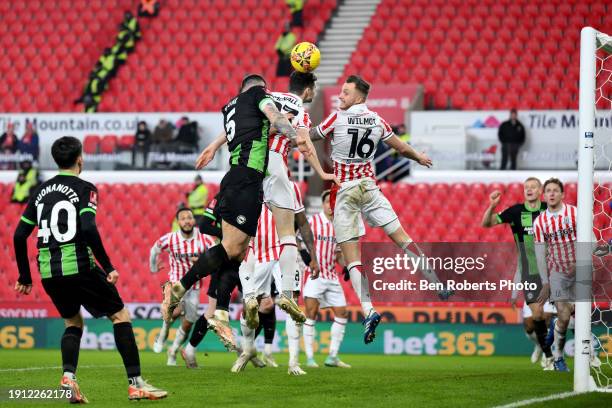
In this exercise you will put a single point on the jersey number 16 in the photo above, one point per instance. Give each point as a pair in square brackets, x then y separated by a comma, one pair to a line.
[363, 147]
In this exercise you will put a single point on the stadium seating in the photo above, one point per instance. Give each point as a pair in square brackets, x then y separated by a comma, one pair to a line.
[129, 224]
[469, 54]
[190, 58]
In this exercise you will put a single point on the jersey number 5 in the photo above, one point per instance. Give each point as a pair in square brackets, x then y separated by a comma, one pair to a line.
[46, 228]
[230, 126]
[364, 147]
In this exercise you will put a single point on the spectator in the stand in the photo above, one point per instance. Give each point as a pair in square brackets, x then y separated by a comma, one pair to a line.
[148, 8]
[283, 48]
[27, 181]
[404, 136]
[108, 60]
[197, 199]
[29, 142]
[188, 137]
[162, 135]
[511, 135]
[130, 22]
[8, 140]
[142, 141]
[296, 7]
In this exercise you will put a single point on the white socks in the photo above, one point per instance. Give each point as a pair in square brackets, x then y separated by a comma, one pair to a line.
[178, 339]
[361, 286]
[559, 342]
[248, 335]
[247, 274]
[309, 335]
[337, 335]
[267, 349]
[190, 349]
[293, 341]
[163, 332]
[288, 262]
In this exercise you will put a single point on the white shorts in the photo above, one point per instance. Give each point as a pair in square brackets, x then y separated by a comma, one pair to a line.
[278, 189]
[190, 303]
[548, 308]
[297, 282]
[562, 287]
[356, 199]
[328, 292]
[262, 277]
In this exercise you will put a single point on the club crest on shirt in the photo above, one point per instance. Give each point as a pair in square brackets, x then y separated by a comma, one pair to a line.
[241, 219]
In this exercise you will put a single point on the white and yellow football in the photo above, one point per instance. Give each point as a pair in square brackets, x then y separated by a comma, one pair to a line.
[305, 57]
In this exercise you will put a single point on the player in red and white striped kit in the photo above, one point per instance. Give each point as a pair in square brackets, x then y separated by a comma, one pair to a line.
[355, 131]
[325, 291]
[259, 270]
[555, 247]
[183, 247]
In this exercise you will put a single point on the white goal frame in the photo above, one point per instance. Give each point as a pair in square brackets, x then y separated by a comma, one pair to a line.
[583, 381]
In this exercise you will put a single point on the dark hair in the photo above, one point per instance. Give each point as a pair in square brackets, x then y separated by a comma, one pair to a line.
[361, 85]
[251, 78]
[553, 180]
[325, 194]
[513, 110]
[66, 150]
[180, 210]
[299, 81]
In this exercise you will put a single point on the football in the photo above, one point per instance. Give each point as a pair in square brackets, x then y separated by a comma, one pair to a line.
[305, 57]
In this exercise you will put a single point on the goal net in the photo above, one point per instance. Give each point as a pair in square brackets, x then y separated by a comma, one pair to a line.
[593, 315]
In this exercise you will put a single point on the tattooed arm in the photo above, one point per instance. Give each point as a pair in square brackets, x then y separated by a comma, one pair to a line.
[308, 240]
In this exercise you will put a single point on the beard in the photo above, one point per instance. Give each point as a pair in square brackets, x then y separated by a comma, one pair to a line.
[187, 230]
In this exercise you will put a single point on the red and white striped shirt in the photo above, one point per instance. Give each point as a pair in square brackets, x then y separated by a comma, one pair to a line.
[181, 250]
[292, 104]
[558, 231]
[355, 133]
[325, 245]
[265, 245]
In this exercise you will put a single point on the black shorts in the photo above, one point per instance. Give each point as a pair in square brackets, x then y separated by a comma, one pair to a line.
[90, 290]
[531, 296]
[241, 198]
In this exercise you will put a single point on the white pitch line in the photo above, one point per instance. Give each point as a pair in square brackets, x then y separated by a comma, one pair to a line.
[541, 399]
[4, 370]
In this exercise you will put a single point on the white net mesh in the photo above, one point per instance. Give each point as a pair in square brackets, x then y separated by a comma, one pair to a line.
[601, 367]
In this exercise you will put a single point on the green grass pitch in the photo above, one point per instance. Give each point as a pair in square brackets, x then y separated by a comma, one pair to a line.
[374, 381]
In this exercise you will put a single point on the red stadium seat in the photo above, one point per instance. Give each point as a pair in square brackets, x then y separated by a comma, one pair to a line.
[108, 144]
[91, 144]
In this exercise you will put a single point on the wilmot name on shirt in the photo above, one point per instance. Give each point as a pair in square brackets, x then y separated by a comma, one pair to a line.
[356, 120]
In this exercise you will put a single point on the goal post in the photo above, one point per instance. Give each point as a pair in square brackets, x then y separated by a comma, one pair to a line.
[584, 265]
[594, 218]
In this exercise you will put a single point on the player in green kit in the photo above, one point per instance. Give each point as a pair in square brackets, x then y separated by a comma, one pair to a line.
[520, 217]
[64, 210]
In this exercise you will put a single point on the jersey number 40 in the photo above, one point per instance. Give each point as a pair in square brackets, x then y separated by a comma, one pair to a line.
[48, 227]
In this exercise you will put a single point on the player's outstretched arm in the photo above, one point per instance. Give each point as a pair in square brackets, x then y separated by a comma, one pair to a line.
[308, 239]
[282, 126]
[489, 218]
[313, 159]
[209, 152]
[20, 243]
[408, 151]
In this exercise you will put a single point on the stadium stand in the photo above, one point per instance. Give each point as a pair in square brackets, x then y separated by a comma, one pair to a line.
[184, 62]
[488, 54]
[453, 215]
